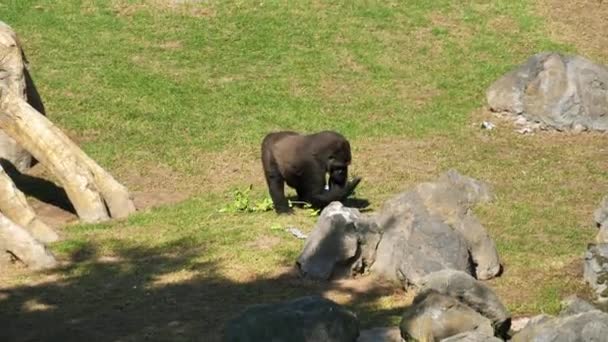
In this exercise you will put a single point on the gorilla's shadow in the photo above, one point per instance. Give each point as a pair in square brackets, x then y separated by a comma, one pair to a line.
[359, 203]
[41, 189]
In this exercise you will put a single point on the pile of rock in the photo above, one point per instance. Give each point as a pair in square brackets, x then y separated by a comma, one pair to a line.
[556, 91]
[425, 230]
[596, 257]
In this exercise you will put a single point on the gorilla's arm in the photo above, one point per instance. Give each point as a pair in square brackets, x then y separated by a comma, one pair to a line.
[335, 193]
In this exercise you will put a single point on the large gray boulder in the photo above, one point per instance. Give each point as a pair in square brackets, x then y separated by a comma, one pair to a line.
[596, 270]
[586, 326]
[560, 91]
[472, 293]
[342, 243]
[306, 319]
[432, 228]
[434, 316]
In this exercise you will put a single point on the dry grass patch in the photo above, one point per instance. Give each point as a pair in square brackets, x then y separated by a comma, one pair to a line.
[192, 8]
[581, 23]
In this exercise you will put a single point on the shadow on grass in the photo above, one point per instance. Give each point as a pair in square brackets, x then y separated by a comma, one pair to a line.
[144, 294]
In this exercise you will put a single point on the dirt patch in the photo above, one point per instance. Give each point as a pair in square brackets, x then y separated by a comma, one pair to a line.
[581, 23]
[192, 8]
[265, 242]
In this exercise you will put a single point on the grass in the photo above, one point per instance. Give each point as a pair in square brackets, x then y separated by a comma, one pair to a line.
[178, 97]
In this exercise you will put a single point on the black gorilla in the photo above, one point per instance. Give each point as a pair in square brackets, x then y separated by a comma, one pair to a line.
[302, 161]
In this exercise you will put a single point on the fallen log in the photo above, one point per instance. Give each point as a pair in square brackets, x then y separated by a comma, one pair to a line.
[17, 241]
[14, 205]
[89, 187]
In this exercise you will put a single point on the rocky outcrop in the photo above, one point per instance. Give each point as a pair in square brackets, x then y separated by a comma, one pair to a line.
[416, 233]
[563, 92]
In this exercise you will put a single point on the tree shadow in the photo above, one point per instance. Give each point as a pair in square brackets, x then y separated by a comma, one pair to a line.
[151, 294]
[39, 188]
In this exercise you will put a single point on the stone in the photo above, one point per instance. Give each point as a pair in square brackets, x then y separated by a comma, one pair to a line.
[434, 316]
[586, 326]
[471, 292]
[573, 305]
[306, 319]
[564, 92]
[343, 242]
[391, 334]
[432, 228]
[596, 270]
[472, 337]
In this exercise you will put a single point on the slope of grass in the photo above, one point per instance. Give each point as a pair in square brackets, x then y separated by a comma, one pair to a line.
[150, 84]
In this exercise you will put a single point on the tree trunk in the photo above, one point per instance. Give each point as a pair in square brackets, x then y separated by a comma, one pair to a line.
[85, 182]
[16, 208]
[17, 241]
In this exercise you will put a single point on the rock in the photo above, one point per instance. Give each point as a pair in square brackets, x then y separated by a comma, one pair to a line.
[587, 326]
[573, 305]
[471, 337]
[601, 218]
[472, 293]
[343, 242]
[306, 319]
[564, 92]
[434, 316]
[432, 228]
[392, 334]
[596, 270]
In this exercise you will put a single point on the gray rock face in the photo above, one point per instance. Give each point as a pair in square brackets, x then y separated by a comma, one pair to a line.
[564, 92]
[392, 334]
[306, 319]
[472, 293]
[342, 243]
[587, 326]
[574, 305]
[471, 337]
[433, 317]
[431, 228]
[596, 270]
[601, 219]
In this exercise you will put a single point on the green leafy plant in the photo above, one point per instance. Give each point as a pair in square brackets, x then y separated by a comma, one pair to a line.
[243, 203]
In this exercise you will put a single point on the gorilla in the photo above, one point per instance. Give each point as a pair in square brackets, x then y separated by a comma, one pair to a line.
[303, 161]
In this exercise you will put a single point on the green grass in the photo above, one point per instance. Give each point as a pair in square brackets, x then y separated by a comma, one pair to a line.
[142, 84]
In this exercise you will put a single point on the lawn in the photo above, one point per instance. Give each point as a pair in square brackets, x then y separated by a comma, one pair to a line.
[174, 97]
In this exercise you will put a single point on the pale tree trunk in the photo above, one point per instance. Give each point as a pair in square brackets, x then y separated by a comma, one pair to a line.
[89, 187]
[16, 208]
[17, 241]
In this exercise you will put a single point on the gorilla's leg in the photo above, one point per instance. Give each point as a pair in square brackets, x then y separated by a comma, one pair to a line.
[276, 188]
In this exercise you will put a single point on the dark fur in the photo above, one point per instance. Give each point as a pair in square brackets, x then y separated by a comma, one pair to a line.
[302, 161]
